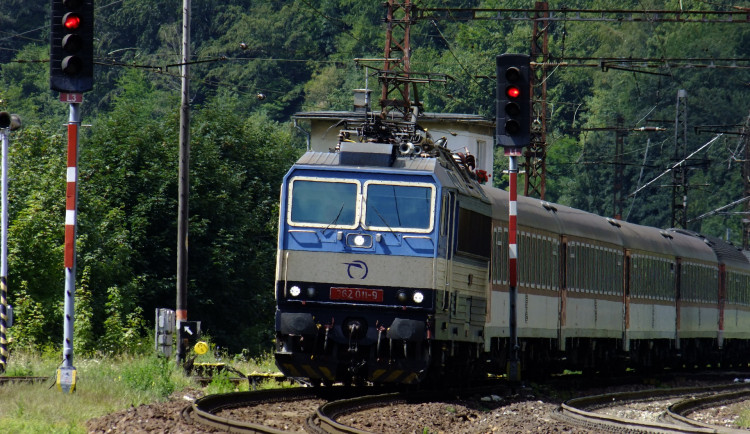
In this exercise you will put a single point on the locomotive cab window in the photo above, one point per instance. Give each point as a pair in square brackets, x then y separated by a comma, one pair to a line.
[323, 203]
[395, 205]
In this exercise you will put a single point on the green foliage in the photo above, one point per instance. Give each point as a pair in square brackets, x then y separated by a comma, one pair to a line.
[29, 330]
[84, 339]
[236, 178]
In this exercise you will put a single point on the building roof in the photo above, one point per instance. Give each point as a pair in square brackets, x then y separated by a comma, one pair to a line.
[357, 116]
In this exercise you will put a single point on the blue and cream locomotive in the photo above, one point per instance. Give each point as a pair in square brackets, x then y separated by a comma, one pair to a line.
[362, 241]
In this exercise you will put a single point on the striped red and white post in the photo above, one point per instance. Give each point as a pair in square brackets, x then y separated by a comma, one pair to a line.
[66, 375]
[514, 369]
[71, 196]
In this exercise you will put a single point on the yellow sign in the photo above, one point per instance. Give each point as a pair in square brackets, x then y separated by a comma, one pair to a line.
[201, 348]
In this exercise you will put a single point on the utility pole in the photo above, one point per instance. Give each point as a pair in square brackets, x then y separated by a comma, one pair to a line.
[679, 174]
[536, 154]
[394, 77]
[746, 182]
[184, 182]
[618, 177]
[618, 170]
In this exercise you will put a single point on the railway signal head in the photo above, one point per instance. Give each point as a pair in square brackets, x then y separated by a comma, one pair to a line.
[72, 46]
[12, 121]
[513, 103]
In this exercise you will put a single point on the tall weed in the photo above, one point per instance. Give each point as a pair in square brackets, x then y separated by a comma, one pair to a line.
[150, 374]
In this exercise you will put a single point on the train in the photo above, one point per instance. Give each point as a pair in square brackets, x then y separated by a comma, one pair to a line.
[392, 267]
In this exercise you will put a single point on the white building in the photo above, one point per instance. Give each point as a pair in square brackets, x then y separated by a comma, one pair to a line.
[465, 133]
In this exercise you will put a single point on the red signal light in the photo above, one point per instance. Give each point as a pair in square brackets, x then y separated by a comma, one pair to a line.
[513, 92]
[71, 21]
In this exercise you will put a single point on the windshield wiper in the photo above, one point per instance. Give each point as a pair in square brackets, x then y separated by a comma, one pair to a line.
[374, 208]
[335, 219]
[395, 205]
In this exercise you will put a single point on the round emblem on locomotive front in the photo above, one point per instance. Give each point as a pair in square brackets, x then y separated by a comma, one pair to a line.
[356, 269]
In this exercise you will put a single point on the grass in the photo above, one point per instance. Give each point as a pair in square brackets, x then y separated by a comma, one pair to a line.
[103, 385]
[743, 420]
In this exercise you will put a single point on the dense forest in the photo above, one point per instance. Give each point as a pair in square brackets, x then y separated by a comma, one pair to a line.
[299, 54]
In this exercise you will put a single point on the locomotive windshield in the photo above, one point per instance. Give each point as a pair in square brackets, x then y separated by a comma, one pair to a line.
[344, 203]
[324, 202]
[390, 206]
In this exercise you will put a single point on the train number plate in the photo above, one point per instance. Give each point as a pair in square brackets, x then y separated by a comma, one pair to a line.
[357, 294]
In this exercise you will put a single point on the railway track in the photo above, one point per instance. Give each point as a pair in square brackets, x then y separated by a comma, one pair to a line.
[333, 409]
[678, 413]
[207, 410]
[324, 419]
[671, 407]
[23, 379]
[321, 407]
[221, 411]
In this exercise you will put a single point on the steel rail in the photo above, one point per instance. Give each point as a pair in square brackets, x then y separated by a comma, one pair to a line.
[324, 419]
[581, 410]
[22, 379]
[678, 412]
[203, 410]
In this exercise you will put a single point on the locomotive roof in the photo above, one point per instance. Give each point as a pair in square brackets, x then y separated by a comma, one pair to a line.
[334, 159]
[447, 173]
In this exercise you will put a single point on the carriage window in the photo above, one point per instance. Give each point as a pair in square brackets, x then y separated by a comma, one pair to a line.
[327, 203]
[501, 255]
[403, 206]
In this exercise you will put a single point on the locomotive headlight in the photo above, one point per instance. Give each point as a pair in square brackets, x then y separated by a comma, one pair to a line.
[295, 291]
[418, 297]
[310, 292]
[402, 297]
[359, 241]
